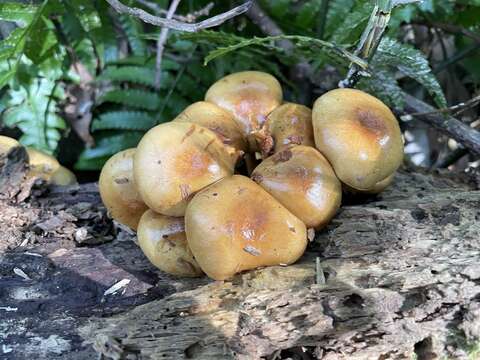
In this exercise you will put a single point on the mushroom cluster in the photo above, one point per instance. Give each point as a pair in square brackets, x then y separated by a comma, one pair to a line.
[242, 180]
[41, 165]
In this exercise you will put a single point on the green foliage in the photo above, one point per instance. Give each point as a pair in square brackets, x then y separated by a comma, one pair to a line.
[33, 110]
[412, 63]
[39, 58]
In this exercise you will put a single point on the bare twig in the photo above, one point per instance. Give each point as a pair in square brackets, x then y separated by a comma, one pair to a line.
[371, 37]
[175, 24]
[455, 109]
[162, 38]
[457, 130]
[189, 18]
[451, 158]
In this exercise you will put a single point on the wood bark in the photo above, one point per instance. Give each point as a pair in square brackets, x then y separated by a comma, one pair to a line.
[402, 279]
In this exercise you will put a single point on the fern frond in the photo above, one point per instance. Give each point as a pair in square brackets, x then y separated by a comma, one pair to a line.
[133, 97]
[133, 30]
[112, 143]
[133, 74]
[412, 63]
[383, 85]
[123, 120]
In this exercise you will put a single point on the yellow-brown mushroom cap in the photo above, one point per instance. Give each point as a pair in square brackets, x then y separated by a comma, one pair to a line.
[359, 136]
[175, 160]
[163, 241]
[118, 190]
[6, 143]
[249, 95]
[288, 124]
[303, 181]
[376, 189]
[41, 164]
[216, 119]
[63, 177]
[235, 225]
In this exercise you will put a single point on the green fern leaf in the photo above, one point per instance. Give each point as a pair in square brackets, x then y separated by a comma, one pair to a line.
[353, 24]
[135, 74]
[111, 143]
[123, 120]
[133, 97]
[410, 62]
[20, 13]
[133, 30]
[33, 110]
[383, 85]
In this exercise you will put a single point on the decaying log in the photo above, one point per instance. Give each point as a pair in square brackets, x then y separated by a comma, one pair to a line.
[402, 278]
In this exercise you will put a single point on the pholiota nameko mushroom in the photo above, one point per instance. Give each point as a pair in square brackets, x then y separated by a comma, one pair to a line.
[214, 118]
[175, 160]
[289, 124]
[163, 241]
[303, 181]
[235, 225]
[250, 96]
[118, 190]
[359, 136]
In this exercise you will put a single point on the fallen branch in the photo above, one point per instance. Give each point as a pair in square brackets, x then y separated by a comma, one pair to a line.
[455, 109]
[175, 24]
[448, 125]
[162, 38]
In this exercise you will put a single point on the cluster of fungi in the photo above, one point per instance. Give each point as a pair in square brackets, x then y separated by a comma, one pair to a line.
[242, 179]
[40, 165]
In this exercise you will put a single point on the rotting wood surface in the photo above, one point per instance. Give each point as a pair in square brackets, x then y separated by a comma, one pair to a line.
[402, 278]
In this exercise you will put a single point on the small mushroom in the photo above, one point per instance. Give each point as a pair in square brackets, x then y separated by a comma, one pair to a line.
[250, 96]
[118, 190]
[288, 124]
[359, 136]
[6, 143]
[41, 164]
[175, 160]
[163, 241]
[303, 181]
[376, 189]
[63, 177]
[235, 225]
[214, 118]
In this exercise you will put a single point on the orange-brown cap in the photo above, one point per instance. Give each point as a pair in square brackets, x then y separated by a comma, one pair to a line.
[288, 124]
[249, 95]
[163, 241]
[235, 225]
[118, 190]
[218, 120]
[303, 181]
[175, 160]
[359, 136]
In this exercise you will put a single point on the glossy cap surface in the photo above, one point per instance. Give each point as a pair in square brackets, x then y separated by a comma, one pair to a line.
[118, 190]
[249, 95]
[216, 119]
[175, 160]
[235, 225]
[163, 241]
[303, 181]
[359, 136]
[289, 124]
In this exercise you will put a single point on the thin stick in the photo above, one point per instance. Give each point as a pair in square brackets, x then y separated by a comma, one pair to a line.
[175, 24]
[455, 109]
[189, 18]
[162, 38]
[448, 125]
[371, 37]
